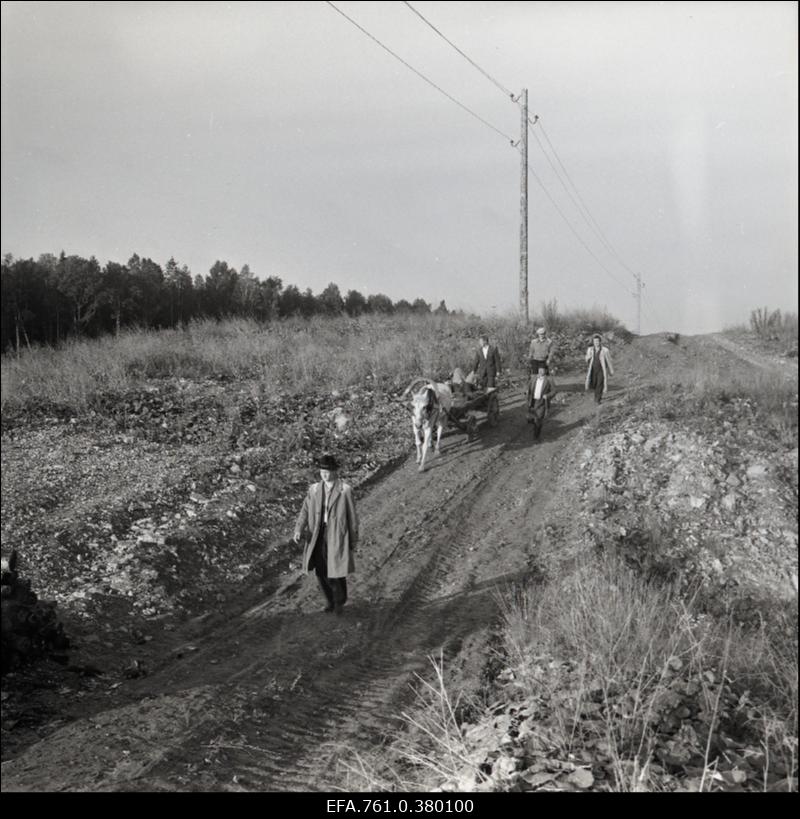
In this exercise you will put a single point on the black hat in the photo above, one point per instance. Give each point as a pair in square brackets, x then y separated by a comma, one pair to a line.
[328, 462]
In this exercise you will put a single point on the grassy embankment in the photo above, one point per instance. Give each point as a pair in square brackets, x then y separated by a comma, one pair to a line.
[295, 355]
[625, 631]
[771, 326]
[661, 692]
[634, 632]
[105, 433]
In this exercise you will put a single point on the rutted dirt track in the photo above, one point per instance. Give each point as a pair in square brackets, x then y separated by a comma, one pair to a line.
[271, 697]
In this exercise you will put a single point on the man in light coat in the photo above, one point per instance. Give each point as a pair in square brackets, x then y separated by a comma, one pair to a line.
[329, 516]
[599, 368]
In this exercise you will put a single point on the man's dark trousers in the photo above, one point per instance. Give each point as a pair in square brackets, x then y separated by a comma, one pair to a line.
[599, 383]
[334, 588]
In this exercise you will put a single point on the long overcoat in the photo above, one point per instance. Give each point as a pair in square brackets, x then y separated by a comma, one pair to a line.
[342, 530]
[605, 363]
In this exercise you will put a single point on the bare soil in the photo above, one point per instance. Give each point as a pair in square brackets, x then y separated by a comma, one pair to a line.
[268, 692]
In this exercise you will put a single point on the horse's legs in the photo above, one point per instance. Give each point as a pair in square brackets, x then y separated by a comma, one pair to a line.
[426, 442]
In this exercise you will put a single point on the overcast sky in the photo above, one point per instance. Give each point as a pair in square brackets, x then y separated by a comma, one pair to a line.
[279, 135]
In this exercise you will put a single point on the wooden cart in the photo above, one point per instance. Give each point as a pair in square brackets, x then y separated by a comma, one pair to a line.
[471, 408]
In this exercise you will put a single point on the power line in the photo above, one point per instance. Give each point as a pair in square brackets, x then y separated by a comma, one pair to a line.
[567, 190]
[468, 59]
[421, 75]
[583, 209]
[575, 232]
[579, 203]
[596, 227]
[583, 206]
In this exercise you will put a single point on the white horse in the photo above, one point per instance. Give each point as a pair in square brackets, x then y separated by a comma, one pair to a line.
[429, 409]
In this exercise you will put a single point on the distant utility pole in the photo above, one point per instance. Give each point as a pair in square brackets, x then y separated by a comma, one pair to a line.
[638, 296]
[523, 208]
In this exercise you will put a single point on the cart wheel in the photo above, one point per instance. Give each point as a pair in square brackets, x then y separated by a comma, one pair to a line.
[493, 411]
[472, 426]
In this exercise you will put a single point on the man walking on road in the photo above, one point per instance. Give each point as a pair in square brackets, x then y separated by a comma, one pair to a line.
[540, 393]
[541, 352]
[329, 516]
[600, 367]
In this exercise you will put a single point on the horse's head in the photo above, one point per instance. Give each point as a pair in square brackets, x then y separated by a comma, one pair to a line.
[423, 405]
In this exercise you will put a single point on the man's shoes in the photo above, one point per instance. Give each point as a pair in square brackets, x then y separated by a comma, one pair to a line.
[338, 610]
[329, 608]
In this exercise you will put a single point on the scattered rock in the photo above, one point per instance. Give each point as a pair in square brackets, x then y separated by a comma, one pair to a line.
[757, 471]
[537, 779]
[134, 670]
[581, 778]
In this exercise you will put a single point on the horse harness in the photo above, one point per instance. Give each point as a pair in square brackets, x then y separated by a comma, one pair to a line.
[432, 409]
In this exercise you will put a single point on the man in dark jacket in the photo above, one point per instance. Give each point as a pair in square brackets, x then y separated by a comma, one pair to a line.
[486, 364]
[540, 392]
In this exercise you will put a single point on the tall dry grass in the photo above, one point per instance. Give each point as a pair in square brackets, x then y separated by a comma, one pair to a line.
[590, 320]
[700, 389]
[294, 354]
[635, 649]
[630, 639]
[428, 749]
[770, 325]
[774, 325]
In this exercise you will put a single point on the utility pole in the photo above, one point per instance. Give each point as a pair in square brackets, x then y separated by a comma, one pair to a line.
[638, 295]
[523, 208]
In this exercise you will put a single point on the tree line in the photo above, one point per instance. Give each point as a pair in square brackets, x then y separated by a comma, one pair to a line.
[58, 297]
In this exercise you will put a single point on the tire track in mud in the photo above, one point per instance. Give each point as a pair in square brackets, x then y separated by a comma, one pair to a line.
[432, 571]
[326, 725]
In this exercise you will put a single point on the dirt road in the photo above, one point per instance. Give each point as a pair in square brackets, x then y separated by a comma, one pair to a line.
[773, 363]
[269, 699]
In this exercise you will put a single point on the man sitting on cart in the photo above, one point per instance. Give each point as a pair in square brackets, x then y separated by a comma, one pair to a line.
[540, 391]
[486, 365]
[461, 385]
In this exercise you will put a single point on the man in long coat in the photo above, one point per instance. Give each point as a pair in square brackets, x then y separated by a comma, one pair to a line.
[598, 359]
[329, 516]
